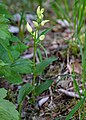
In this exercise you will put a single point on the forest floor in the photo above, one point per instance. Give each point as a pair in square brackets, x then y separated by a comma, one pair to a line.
[58, 101]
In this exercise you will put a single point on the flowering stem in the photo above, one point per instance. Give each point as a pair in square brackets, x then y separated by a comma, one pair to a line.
[34, 69]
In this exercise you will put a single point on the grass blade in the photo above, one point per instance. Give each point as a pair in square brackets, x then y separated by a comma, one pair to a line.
[75, 109]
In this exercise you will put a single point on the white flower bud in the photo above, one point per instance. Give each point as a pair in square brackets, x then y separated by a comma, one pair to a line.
[35, 24]
[40, 12]
[29, 28]
[43, 22]
[42, 37]
[41, 16]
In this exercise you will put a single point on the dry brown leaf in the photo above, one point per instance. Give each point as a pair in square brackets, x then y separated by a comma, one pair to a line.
[76, 66]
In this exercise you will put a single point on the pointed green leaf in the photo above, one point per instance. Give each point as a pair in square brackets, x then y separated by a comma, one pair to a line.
[75, 109]
[4, 10]
[8, 56]
[22, 66]
[3, 19]
[8, 110]
[2, 63]
[42, 65]
[4, 31]
[14, 39]
[13, 77]
[20, 47]
[10, 75]
[3, 93]
[44, 32]
[42, 87]
[24, 90]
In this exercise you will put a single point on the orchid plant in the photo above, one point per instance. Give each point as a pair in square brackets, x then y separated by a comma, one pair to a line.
[37, 37]
[36, 88]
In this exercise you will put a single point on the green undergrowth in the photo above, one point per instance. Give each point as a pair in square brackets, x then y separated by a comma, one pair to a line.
[13, 66]
[75, 14]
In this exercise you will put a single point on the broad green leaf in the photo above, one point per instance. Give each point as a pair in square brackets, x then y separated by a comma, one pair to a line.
[13, 77]
[4, 115]
[42, 87]
[10, 75]
[4, 31]
[2, 63]
[2, 51]
[4, 35]
[42, 65]
[22, 66]
[6, 53]
[6, 49]
[14, 39]
[4, 42]
[20, 47]
[8, 56]
[4, 10]
[8, 110]
[24, 90]
[15, 54]
[75, 109]
[3, 93]
[3, 20]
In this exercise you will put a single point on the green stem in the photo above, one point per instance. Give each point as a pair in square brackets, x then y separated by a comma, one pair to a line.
[34, 68]
[20, 110]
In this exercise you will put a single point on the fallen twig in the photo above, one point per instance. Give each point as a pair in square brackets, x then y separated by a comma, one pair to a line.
[71, 94]
[28, 56]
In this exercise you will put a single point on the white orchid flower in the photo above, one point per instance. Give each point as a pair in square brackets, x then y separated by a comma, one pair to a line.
[40, 12]
[29, 28]
[35, 24]
[43, 22]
